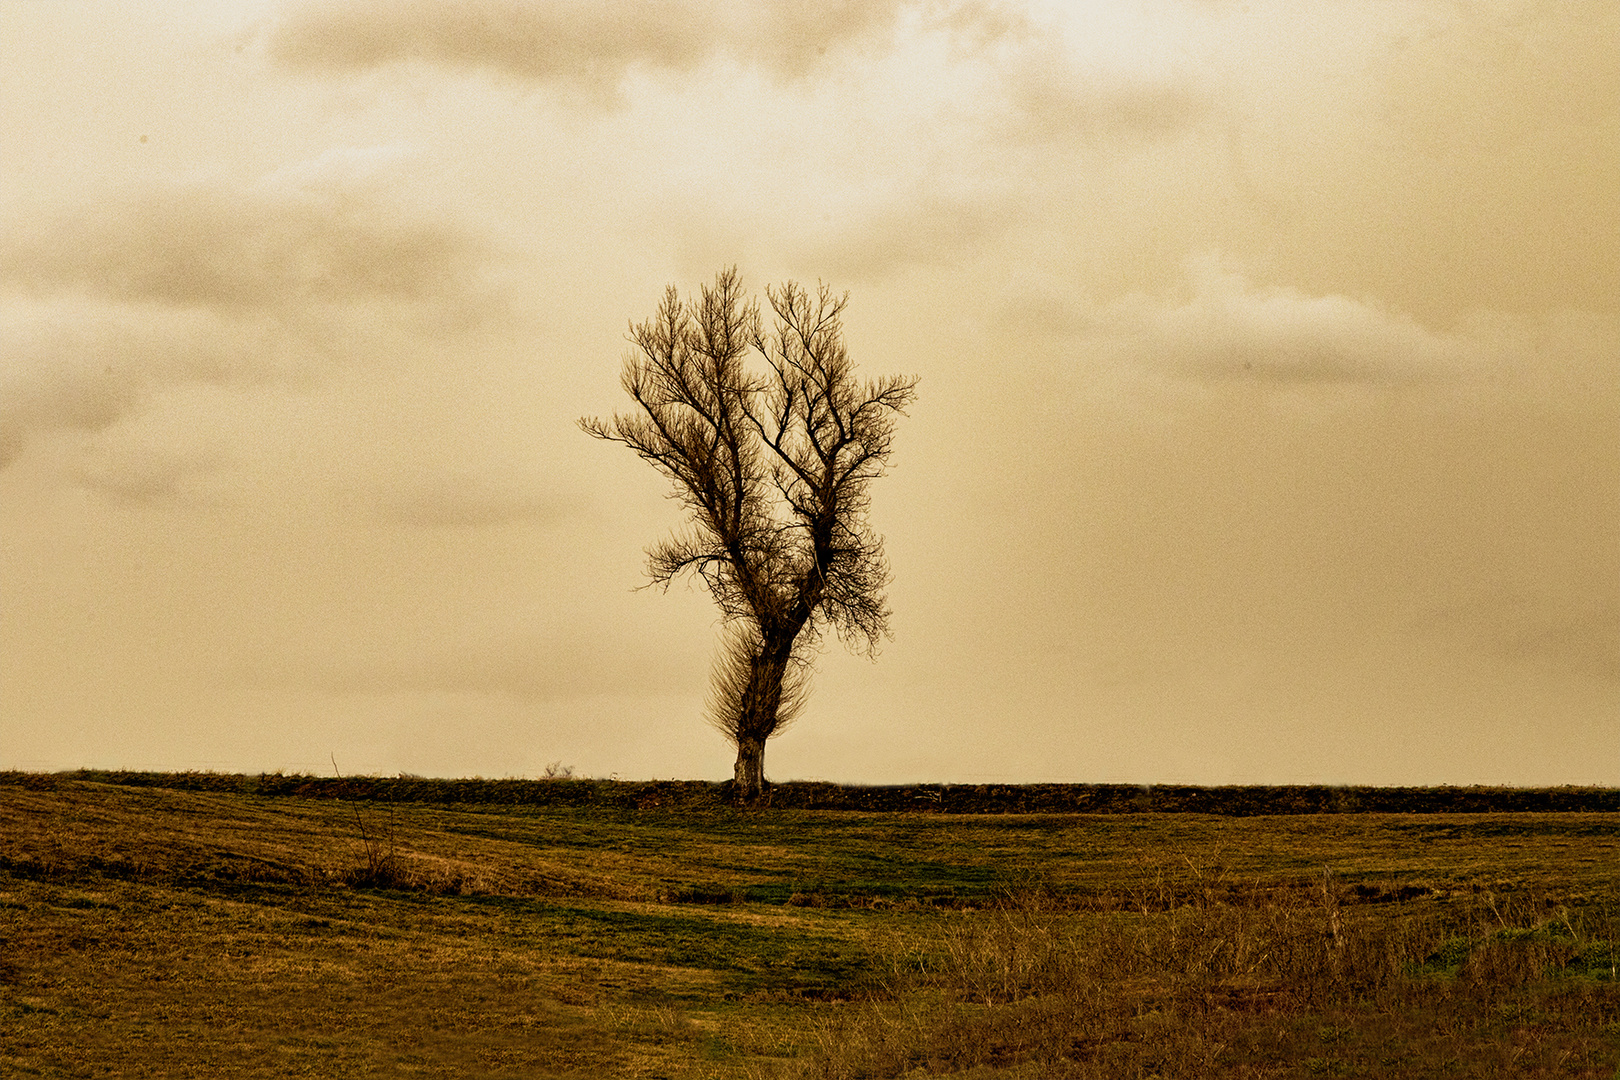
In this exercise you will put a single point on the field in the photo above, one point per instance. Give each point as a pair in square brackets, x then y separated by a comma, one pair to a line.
[228, 927]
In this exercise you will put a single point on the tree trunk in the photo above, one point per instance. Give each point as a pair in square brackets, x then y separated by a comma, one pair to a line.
[750, 772]
[760, 713]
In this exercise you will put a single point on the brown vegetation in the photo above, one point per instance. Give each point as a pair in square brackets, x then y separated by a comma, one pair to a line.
[152, 931]
[1264, 982]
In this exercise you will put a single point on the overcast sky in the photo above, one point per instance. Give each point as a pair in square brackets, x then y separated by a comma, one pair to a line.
[1268, 427]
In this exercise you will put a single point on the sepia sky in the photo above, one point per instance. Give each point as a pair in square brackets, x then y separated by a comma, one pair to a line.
[1268, 427]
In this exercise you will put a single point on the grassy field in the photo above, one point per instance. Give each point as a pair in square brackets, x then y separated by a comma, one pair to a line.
[150, 931]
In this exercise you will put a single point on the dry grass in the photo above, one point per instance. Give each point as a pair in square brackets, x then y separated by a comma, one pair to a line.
[152, 932]
[1261, 982]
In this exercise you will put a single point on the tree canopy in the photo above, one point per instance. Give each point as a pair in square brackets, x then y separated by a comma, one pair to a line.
[771, 443]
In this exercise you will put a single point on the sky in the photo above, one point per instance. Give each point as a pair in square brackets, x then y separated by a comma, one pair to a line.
[1268, 426]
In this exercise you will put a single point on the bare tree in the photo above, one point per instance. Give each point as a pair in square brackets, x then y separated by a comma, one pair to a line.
[772, 462]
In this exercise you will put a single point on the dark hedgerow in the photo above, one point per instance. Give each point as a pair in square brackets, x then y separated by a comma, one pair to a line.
[1231, 801]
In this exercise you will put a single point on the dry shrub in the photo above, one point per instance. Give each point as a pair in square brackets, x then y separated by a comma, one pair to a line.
[380, 863]
[391, 868]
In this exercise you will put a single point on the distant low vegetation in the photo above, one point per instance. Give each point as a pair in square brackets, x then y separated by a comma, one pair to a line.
[208, 925]
[558, 786]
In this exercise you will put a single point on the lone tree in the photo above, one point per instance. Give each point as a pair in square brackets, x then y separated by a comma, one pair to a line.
[772, 464]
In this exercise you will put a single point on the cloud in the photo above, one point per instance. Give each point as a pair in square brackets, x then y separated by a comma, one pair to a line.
[268, 247]
[163, 341]
[401, 448]
[952, 130]
[1060, 89]
[459, 497]
[174, 449]
[587, 44]
[1231, 330]
[1059, 102]
[590, 47]
[1575, 633]
[892, 233]
[79, 363]
[36, 394]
